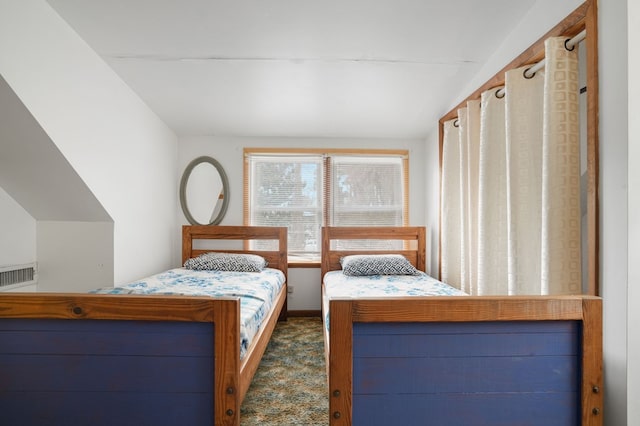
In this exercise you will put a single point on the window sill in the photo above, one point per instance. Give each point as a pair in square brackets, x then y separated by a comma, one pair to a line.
[303, 262]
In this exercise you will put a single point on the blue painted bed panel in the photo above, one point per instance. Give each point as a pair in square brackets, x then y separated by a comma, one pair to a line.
[484, 373]
[441, 345]
[485, 327]
[106, 337]
[106, 409]
[62, 372]
[88, 373]
[465, 410]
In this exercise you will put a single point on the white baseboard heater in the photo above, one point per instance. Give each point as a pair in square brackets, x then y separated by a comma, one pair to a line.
[13, 276]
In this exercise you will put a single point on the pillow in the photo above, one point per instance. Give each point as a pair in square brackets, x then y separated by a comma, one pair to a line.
[378, 264]
[227, 262]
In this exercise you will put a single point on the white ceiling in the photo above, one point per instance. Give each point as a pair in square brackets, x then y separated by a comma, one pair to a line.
[331, 68]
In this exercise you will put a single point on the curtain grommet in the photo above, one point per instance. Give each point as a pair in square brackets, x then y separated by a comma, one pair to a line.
[528, 77]
[567, 47]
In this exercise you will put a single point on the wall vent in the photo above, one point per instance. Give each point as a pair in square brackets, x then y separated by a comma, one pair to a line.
[18, 275]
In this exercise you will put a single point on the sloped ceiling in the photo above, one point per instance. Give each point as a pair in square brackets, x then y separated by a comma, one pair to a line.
[333, 68]
[34, 172]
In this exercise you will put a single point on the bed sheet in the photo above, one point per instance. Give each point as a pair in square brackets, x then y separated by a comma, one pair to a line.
[340, 286]
[344, 286]
[257, 292]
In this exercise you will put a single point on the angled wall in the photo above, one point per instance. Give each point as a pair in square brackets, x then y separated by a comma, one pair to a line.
[121, 155]
[35, 172]
[17, 230]
[63, 211]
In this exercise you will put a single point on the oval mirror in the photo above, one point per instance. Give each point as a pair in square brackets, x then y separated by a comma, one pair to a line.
[204, 192]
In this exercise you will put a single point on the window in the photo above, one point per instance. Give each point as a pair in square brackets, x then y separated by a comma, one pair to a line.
[306, 189]
[286, 190]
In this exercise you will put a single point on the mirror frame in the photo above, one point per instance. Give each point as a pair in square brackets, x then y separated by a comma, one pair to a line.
[183, 190]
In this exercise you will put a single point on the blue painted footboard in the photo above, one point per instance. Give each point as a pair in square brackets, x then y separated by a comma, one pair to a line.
[465, 361]
[487, 373]
[104, 360]
[60, 372]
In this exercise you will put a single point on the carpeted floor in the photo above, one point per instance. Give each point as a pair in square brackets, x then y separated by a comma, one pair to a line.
[290, 386]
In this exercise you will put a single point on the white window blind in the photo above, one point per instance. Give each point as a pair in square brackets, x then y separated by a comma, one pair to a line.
[366, 191]
[307, 191]
[287, 191]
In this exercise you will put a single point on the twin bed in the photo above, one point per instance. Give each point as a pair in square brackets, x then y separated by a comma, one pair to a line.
[395, 355]
[160, 351]
[172, 356]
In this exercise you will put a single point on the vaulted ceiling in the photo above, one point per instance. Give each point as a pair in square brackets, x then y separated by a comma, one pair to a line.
[331, 68]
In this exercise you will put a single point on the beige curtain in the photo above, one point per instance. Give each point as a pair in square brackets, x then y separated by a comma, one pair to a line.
[516, 193]
[523, 121]
[463, 147]
[561, 257]
[450, 245]
[469, 142]
[492, 197]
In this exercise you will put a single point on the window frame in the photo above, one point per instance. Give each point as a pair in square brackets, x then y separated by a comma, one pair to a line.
[326, 184]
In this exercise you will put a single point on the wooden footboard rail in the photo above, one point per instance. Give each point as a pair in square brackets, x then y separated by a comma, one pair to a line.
[115, 359]
[466, 360]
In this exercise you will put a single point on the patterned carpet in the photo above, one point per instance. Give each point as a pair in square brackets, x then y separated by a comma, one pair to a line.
[290, 386]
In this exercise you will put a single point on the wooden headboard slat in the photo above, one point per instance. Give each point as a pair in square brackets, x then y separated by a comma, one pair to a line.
[276, 258]
[413, 236]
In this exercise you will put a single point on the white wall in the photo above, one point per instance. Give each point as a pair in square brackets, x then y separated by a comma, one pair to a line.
[17, 231]
[614, 143]
[228, 151]
[123, 152]
[633, 335]
[67, 270]
[432, 201]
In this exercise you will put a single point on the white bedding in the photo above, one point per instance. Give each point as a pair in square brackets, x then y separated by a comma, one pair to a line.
[343, 286]
[257, 292]
[340, 286]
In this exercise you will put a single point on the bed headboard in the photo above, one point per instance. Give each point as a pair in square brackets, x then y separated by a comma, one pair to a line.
[413, 238]
[277, 258]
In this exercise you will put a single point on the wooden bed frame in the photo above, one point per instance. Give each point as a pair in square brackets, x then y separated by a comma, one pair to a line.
[479, 360]
[132, 359]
